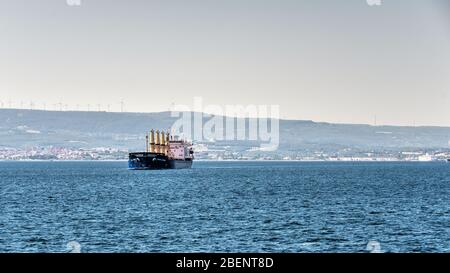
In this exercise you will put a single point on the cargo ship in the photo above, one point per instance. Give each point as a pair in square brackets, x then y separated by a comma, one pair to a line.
[162, 151]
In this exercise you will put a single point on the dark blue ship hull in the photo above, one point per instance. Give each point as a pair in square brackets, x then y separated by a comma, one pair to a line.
[155, 161]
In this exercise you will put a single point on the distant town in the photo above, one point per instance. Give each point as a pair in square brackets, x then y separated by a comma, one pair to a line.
[50, 135]
[202, 152]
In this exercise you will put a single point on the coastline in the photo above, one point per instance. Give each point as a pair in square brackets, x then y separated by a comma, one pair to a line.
[234, 160]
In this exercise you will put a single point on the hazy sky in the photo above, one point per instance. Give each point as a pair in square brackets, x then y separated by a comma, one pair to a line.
[336, 61]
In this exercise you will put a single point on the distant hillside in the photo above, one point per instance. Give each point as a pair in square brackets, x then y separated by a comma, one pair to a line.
[26, 128]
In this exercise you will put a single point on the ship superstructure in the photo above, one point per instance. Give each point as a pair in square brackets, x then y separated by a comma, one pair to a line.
[162, 151]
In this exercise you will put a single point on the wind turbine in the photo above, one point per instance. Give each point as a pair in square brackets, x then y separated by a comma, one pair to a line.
[122, 106]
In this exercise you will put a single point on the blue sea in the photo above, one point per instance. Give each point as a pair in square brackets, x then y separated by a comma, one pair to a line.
[225, 207]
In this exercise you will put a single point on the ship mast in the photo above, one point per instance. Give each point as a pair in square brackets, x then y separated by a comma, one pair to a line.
[152, 141]
[162, 141]
[167, 142]
[157, 142]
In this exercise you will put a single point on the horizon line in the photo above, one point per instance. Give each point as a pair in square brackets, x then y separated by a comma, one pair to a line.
[204, 113]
